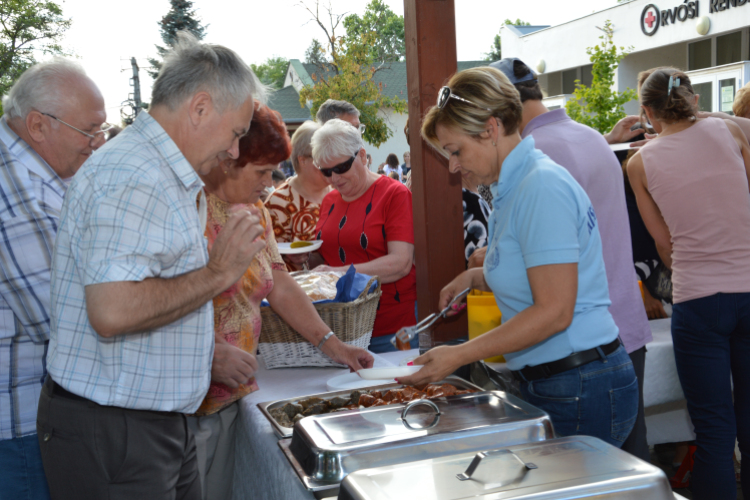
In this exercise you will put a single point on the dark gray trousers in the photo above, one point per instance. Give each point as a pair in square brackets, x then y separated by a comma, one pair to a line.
[93, 452]
[636, 443]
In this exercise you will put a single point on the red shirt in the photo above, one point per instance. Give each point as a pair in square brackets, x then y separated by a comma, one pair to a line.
[359, 231]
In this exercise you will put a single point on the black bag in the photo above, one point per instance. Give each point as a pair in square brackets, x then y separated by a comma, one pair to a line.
[659, 283]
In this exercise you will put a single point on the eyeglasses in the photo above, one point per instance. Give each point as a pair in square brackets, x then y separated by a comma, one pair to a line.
[362, 128]
[341, 168]
[95, 137]
[445, 95]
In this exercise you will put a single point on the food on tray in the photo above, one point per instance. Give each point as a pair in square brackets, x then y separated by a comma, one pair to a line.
[317, 285]
[300, 244]
[287, 415]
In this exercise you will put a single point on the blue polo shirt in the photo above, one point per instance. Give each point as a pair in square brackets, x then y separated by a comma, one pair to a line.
[542, 216]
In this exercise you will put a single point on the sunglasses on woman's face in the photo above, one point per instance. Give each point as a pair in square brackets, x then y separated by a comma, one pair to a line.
[341, 168]
[445, 95]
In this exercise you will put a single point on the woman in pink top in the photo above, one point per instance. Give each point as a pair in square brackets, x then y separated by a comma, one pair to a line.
[692, 188]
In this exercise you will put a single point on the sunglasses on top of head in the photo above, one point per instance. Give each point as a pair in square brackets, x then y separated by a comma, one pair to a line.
[341, 168]
[445, 94]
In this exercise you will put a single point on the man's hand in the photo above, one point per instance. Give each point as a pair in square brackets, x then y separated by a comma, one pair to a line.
[639, 144]
[654, 307]
[355, 358]
[621, 131]
[236, 245]
[231, 365]
[477, 258]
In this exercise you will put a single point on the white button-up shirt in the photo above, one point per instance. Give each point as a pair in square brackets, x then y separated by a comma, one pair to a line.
[130, 214]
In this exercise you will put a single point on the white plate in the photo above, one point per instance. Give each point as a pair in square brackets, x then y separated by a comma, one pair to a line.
[286, 248]
[388, 373]
[351, 381]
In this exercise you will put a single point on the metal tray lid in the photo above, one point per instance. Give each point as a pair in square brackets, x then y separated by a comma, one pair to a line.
[571, 467]
[327, 447]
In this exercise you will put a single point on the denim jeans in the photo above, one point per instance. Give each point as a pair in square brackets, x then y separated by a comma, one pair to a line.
[21, 472]
[711, 338]
[597, 399]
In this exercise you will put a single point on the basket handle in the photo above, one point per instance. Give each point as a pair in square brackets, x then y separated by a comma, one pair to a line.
[367, 287]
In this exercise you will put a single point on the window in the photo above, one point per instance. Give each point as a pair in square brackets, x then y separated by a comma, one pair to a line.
[568, 80]
[727, 90]
[705, 91]
[586, 77]
[728, 48]
[699, 55]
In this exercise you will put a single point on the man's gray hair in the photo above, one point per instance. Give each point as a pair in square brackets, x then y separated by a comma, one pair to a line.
[334, 109]
[301, 145]
[191, 67]
[42, 88]
[335, 139]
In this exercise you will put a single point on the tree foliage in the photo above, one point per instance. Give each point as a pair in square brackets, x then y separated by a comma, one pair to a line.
[599, 106]
[272, 72]
[180, 17]
[349, 76]
[315, 53]
[389, 41]
[26, 27]
[496, 51]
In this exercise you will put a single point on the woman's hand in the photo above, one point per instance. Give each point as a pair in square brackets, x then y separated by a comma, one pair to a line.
[355, 358]
[654, 307]
[438, 363]
[467, 279]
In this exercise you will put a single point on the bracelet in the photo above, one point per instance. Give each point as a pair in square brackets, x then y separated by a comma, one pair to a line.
[328, 336]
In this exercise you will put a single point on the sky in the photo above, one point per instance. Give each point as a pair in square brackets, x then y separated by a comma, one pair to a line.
[105, 35]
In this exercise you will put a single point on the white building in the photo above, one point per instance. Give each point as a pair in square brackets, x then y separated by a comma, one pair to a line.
[707, 38]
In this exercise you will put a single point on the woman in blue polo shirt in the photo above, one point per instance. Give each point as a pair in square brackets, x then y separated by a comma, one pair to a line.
[544, 264]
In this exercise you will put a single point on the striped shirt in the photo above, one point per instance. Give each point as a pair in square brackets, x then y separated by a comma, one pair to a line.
[130, 214]
[31, 196]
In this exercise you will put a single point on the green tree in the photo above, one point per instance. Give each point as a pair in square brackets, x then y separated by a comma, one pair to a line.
[272, 72]
[389, 42]
[315, 53]
[598, 106]
[27, 27]
[180, 17]
[496, 51]
[349, 76]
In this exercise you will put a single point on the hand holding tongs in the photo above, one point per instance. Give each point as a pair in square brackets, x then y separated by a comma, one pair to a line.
[404, 335]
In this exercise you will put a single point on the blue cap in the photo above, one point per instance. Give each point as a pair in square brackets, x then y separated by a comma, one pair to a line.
[506, 66]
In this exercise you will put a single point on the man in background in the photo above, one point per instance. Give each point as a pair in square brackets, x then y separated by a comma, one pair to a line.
[52, 124]
[406, 166]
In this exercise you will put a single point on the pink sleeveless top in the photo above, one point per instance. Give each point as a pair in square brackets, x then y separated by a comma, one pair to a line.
[697, 178]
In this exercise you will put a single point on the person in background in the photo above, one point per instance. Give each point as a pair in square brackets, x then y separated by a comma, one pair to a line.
[381, 169]
[113, 131]
[342, 110]
[52, 123]
[393, 175]
[367, 221]
[287, 167]
[131, 333]
[406, 166]
[278, 178]
[544, 265]
[597, 170]
[391, 165]
[295, 206]
[369, 161]
[237, 317]
[476, 214]
[699, 218]
[741, 106]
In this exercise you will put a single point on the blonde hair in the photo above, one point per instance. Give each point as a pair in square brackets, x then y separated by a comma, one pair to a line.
[488, 89]
[741, 106]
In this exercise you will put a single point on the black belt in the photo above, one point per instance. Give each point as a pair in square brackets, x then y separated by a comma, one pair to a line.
[57, 390]
[575, 360]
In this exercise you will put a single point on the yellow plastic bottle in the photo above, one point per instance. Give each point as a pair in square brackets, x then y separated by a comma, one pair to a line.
[484, 315]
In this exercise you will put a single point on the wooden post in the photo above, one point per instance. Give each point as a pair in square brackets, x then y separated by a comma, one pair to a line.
[438, 209]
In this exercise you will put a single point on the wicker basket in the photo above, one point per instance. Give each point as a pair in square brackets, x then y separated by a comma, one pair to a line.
[352, 323]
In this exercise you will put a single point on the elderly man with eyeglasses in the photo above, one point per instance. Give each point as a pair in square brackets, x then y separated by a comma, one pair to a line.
[38, 154]
[132, 327]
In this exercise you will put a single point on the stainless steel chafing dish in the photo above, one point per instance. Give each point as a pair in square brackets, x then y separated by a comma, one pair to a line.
[571, 467]
[325, 448]
[283, 432]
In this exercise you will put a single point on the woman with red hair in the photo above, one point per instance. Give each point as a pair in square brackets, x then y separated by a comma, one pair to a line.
[237, 320]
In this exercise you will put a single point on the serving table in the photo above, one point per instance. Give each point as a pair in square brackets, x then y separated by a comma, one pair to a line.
[262, 470]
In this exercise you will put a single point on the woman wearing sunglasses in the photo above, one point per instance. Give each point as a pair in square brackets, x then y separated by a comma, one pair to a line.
[366, 221]
[544, 264]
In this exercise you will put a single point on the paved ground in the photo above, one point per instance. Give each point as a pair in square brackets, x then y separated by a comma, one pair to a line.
[661, 456]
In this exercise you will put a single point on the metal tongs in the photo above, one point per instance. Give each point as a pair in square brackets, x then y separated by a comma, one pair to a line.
[407, 333]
